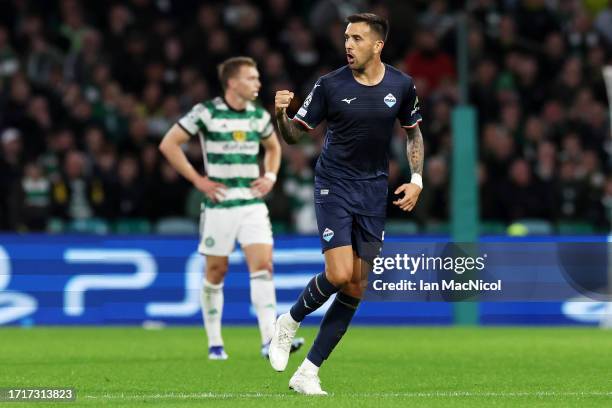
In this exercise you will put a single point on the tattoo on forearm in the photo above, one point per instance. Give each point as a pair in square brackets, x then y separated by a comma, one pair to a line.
[289, 130]
[415, 150]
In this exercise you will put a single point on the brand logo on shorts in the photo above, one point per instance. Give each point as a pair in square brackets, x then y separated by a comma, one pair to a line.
[324, 191]
[328, 234]
[390, 100]
[209, 242]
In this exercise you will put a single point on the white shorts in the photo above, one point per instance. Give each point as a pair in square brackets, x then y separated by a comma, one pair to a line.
[221, 227]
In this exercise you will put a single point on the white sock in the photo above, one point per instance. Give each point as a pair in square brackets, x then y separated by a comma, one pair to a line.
[309, 366]
[212, 309]
[263, 298]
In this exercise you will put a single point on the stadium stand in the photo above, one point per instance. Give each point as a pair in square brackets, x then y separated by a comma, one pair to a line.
[87, 89]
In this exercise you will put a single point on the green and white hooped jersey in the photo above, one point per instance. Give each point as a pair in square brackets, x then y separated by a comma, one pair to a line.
[230, 146]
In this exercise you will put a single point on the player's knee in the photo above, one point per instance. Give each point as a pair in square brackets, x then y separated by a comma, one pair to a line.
[265, 265]
[215, 272]
[339, 276]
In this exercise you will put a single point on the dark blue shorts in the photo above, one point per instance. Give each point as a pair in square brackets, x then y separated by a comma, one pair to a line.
[339, 226]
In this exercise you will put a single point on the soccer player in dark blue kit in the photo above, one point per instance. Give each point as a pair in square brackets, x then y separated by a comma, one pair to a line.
[360, 102]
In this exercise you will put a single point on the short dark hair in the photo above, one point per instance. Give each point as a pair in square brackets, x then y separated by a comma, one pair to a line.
[230, 67]
[377, 23]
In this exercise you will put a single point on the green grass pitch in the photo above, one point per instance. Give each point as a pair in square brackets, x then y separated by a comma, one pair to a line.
[373, 366]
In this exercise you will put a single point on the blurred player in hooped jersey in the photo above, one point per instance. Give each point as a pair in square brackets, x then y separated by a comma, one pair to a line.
[231, 128]
[361, 102]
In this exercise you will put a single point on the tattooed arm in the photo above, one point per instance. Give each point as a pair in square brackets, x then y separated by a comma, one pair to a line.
[289, 130]
[415, 153]
[415, 150]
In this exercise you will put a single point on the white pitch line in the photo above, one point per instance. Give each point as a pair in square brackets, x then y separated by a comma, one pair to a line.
[450, 394]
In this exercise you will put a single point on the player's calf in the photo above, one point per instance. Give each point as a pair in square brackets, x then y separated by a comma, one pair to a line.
[263, 299]
[314, 295]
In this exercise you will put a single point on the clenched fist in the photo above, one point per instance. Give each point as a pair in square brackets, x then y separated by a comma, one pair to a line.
[282, 99]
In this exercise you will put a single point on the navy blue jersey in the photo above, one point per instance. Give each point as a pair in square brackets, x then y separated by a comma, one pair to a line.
[354, 163]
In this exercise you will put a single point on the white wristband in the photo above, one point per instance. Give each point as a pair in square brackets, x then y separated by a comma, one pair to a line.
[417, 179]
[270, 175]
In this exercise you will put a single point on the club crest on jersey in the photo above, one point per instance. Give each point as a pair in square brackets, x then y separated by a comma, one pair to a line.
[390, 100]
[239, 135]
[328, 234]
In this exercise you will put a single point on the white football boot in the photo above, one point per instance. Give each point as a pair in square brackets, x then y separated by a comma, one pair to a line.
[280, 346]
[217, 353]
[306, 382]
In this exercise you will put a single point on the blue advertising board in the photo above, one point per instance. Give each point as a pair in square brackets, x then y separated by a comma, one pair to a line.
[130, 280]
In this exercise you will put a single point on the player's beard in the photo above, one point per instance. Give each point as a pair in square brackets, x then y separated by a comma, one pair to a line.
[360, 68]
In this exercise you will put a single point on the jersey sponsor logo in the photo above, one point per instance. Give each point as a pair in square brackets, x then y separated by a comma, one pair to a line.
[232, 147]
[348, 101]
[328, 234]
[239, 135]
[390, 100]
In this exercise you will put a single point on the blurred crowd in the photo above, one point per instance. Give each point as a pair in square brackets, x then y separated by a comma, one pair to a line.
[87, 89]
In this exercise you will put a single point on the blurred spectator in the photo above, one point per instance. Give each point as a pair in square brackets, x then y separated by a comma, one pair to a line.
[535, 20]
[546, 162]
[553, 56]
[570, 194]
[11, 165]
[428, 64]
[581, 36]
[9, 63]
[170, 194]
[31, 200]
[130, 190]
[43, 60]
[603, 23]
[534, 137]
[325, 12]
[437, 18]
[434, 202]
[498, 151]
[521, 196]
[77, 196]
[483, 92]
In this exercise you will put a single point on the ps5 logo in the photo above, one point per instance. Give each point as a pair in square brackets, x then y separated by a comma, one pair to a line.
[13, 305]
